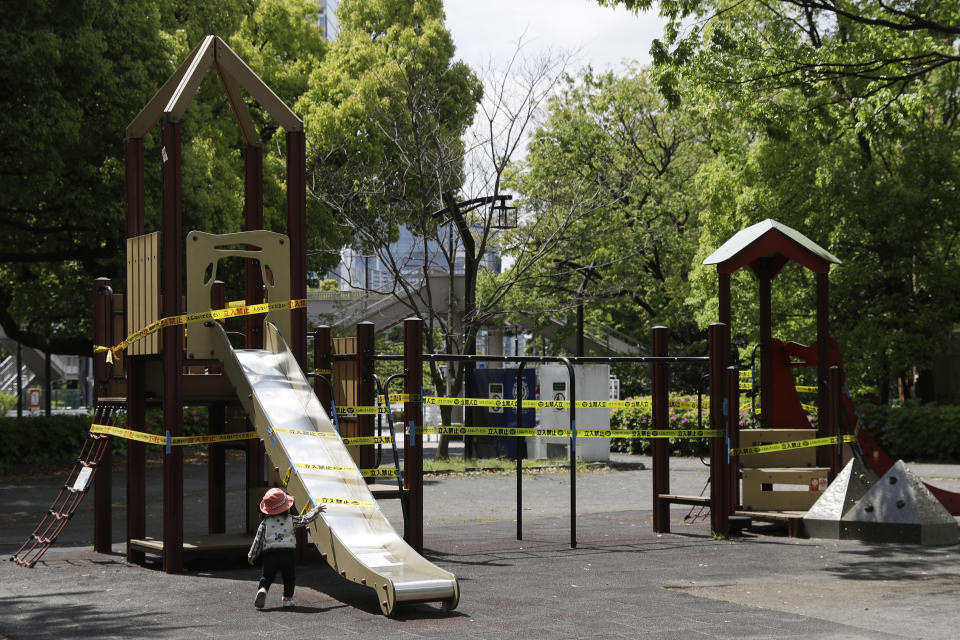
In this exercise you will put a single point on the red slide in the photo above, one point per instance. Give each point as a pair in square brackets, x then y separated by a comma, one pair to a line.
[788, 412]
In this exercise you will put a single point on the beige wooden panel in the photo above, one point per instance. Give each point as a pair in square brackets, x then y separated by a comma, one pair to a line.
[143, 291]
[762, 488]
[345, 389]
[794, 458]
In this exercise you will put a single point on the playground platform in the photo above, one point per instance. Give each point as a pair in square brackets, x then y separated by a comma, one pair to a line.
[622, 580]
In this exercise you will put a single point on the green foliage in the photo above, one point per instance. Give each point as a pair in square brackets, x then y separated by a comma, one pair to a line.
[605, 185]
[840, 126]
[914, 431]
[385, 114]
[75, 74]
[41, 441]
[7, 402]
[640, 418]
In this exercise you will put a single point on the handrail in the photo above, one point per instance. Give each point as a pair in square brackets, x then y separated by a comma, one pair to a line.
[393, 436]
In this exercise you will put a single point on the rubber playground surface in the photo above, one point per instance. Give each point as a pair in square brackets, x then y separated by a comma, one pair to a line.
[621, 580]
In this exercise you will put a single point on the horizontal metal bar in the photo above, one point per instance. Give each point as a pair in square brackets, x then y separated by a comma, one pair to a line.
[442, 357]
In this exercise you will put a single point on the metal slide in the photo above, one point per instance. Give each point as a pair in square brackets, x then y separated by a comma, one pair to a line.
[353, 535]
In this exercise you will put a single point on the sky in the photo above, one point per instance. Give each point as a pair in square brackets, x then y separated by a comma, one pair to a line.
[486, 30]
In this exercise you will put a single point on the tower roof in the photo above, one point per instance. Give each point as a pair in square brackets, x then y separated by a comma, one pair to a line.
[770, 239]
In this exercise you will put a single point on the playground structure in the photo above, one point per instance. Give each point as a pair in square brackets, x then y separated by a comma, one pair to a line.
[308, 453]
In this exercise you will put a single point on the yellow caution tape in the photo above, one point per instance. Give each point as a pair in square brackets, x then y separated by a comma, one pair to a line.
[346, 502]
[360, 411]
[286, 476]
[746, 386]
[233, 304]
[746, 373]
[322, 372]
[386, 472]
[788, 446]
[323, 467]
[400, 397]
[501, 403]
[360, 440]
[336, 295]
[175, 441]
[366, 473]
[806, 389]
[303, 432]
[566, 433]
[202, 316]
[333, 436]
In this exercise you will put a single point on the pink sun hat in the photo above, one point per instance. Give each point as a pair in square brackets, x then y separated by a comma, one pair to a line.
[275, 501]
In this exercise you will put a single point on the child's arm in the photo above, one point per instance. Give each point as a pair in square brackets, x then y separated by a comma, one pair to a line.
[304, 520]
[257, 545]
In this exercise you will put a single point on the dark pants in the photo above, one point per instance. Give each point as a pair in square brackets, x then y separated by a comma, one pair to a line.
[281, 560]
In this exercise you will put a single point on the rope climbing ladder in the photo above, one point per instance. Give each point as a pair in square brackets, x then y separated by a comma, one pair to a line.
[74, 489]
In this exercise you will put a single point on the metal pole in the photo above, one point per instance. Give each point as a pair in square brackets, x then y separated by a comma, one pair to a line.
[19, 380]
[573, 452]
[519, 399]
[659, 337]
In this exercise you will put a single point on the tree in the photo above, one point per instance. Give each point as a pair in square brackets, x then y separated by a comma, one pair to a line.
[880, 47]
[614, 156]
[75, 74]
[385, 114]
[837, 119]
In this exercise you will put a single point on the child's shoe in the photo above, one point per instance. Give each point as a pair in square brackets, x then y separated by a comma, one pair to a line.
[260, 599]
[288, 602]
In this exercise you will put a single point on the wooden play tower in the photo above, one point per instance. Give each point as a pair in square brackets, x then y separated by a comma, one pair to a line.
[150, 370]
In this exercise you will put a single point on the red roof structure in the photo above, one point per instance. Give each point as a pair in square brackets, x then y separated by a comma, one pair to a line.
[766, 248]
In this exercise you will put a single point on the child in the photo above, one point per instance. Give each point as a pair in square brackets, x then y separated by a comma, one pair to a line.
[275, 539]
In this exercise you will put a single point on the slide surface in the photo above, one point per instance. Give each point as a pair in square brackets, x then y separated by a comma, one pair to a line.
[356, 538]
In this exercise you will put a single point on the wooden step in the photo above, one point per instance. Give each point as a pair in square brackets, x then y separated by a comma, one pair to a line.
[690, 500]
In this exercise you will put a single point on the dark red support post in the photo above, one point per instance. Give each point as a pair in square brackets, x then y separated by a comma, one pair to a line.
[297, 230]
[766, 335]
[659, 374]
[719, 502]
[134, 186]
[824, 457]
[216, 453]
[136, 370]
[413, 443]
[103, 480]
[322, 360]
[253, 221]
[136, 457]
[723, 298]
[835, 402]
[733, 435]
[172, 243]
[366, 390]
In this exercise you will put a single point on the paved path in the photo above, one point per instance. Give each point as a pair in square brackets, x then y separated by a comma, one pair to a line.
[622, 580]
